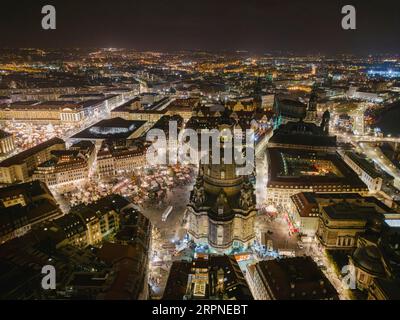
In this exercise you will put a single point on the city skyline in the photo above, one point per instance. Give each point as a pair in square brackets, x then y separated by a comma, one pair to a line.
[307, 27]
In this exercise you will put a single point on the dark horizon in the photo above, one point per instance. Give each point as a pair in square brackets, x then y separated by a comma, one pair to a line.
[309, 27]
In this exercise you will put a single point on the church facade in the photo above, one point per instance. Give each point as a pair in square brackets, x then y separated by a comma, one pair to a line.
[222, 207]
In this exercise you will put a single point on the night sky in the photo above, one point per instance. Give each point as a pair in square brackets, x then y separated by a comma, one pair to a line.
[310, 26]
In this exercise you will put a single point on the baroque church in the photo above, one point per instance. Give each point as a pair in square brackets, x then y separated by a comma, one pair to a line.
[222, 207]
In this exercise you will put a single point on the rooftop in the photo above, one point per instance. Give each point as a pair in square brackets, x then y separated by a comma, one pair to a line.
[364, 164]
[306, 169]
[184, 275]
[116, 128]
[296, 279]
[302, 133]
[30, 189]
[307, 202]
[350, 211]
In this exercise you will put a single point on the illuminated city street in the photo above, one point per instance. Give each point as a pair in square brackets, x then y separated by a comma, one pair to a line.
[374, 153]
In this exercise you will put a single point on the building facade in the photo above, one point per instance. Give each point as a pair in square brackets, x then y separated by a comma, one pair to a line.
[305, 208]
[67, 167]
[6, 143]
[20, 168]
[112, 159]
[222, 210]
[365, 170]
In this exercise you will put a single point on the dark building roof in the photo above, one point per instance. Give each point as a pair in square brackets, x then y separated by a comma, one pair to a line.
[70, 224]
[14, 217]
[350, 211]
[207, 118]
[39, 204]
[129, 264]
[234, 282]
[175, 288]
[13, 280]
[115, 128]
[83, 145]
[390, 288]
[307, 202]
[364, 164]
[306, 205]
[302, 133]
[88, 279]
[20, 105]
[135, 228]
[235, 285]
[123, 267]
[164, 122]
[127, 106]
[48, 105]
[281, 175]
[28, 189]
[21, 260]
[82, 95]
[369, 259]
[296, 279]
[290, 108]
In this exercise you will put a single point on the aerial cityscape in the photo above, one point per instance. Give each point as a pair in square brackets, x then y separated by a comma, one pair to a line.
[198, 174]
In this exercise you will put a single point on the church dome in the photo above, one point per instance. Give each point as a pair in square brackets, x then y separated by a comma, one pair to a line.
[368, 259]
